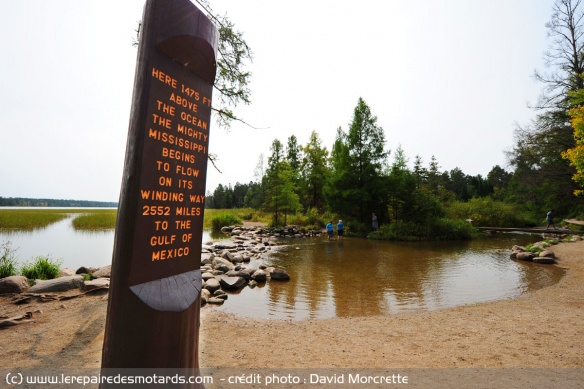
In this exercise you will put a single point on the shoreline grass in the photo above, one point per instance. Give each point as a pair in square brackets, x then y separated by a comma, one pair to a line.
[104, 220]
[29, 219]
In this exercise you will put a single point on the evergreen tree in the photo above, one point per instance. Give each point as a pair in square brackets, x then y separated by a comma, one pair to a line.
[357, 183]
[314, 172]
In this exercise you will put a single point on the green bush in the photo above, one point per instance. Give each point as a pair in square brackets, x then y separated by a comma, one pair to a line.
[224, 219]
[486, 212]
[436, 229]
[7, 260]
[42, 268]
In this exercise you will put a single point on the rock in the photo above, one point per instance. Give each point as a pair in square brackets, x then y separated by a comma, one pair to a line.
[105, 271]
[205, 295]
[212, 285]
[218, 261]
[60, 284]
[544, 260]
[207, 258]
[252, 284]
[223, 268]
[14, 284]
[206, 276]
[67, 272]
[238, 273]
[518, 248]
[215, 300]
[228, 255]
[95, 284]
[232, 282]
[547, 254]
[259, 275]
[525, 256]
[85, 270]
[279, 275]
[222, 296]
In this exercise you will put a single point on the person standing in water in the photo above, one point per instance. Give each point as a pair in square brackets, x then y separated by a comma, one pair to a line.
[330, 231]
[340, 229]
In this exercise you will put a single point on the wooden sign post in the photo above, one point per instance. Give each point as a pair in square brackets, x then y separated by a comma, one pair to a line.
[154, 301]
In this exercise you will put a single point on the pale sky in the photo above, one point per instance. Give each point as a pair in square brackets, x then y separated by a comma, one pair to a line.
[448, 78]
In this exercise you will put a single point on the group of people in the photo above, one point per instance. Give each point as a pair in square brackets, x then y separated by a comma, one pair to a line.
[330, 229]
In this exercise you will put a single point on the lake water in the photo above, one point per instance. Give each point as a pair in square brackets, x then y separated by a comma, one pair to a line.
[353, 277]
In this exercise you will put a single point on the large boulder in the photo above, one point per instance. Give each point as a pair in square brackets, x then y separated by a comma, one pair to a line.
[61, 284]
[14, 284]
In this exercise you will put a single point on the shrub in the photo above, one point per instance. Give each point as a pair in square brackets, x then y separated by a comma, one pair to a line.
[486, 212]
[43, 268]
[436, 229]
[7, 260]
[224, 219]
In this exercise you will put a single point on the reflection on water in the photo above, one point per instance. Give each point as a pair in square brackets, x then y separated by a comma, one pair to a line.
[61, 241]
[360, 277]
[353, 277]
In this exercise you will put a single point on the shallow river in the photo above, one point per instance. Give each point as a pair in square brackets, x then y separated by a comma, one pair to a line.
[360, 277]
[353, 277]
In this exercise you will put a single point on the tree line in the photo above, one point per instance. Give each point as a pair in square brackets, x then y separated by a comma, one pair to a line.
[28, 202]
[354, 180]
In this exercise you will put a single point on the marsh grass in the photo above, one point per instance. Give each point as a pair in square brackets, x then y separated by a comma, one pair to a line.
[104, 219]
[29, 219]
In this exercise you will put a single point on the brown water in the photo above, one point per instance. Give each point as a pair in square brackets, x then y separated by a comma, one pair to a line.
[361, 277]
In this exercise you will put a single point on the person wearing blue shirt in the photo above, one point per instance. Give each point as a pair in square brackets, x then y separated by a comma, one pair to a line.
[550, 220]
[330, 230]
[340, 229]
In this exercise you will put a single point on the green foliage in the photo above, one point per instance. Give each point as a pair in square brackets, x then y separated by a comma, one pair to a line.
[42, 268]
[436, 229]
[313, 173]
[356, 185]
[486, 212]
[7, 260]
[224, 219]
